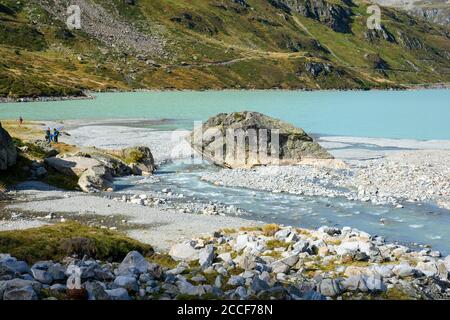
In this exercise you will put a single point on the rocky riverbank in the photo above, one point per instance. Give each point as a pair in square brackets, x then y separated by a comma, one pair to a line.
[68, 166]
[406, 176]
[84, 96]
[270, 262]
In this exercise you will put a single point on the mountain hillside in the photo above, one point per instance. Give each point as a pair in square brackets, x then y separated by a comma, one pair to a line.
[213, 44]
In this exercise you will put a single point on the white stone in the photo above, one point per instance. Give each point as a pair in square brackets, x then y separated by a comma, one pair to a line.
[184, 251]
[427, 268]
[447, 263]
[241, 242]
[403, 270]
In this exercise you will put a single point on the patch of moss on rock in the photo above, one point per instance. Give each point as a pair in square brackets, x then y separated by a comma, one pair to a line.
[395, 294]
[269, 230]
[133, 156]
[164, 260]
[55, 242]
[272, 244]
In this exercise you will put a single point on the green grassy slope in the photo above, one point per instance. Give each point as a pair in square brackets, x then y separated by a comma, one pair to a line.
[213, 44]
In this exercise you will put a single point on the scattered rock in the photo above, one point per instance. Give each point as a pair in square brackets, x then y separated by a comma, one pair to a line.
[118, 294]
[329, 287]
[403, 270]
[206, 256]
[95, 179]
[291, 271]
[133, 263]
[23, 293]
[184, 251]
[127, 282]
[96, 291]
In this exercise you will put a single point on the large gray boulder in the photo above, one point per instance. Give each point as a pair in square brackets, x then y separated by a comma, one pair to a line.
[72, 165]
[96, 179]
[140, 160]
[329, 287]
[96, 169]
[96, 290]
[217, 141]
[8, 152]
[23, 293]
[93, 174]
[127, 282]
[184, 251]
[134, 263]
[19, 289]
[206, 256]
[12, 264]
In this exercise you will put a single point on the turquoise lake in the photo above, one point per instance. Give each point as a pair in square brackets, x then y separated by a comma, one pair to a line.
[415, 114]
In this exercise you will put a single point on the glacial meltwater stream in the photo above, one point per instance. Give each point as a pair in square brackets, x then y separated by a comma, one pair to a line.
[413, 224]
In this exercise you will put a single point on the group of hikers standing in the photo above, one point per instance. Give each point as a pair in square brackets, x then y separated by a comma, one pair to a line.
[52, 136]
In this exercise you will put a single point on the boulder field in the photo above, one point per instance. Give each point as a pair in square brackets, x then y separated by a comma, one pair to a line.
[270, 262]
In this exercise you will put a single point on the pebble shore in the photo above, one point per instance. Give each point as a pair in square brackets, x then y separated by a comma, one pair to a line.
[411, 176]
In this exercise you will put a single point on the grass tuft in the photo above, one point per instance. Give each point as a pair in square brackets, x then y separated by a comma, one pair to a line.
[270, 229]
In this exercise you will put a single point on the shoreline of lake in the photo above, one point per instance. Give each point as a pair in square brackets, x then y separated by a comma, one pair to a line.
[90, 95]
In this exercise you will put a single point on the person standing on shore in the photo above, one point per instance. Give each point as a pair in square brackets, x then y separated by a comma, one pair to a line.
[20, 121]
[48, 135]
[55, 135]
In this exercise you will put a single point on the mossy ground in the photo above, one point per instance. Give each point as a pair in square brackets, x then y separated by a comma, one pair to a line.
[164, 260]
[270, 229]
[54, 242]
[273, 244]
[395, 294]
